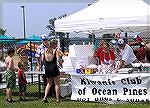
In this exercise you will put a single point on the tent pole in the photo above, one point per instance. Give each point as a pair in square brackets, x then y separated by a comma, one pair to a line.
[31, 55]
[120, 29]
[130, 29]
[34, 49]
[2, 50]
[93, 37]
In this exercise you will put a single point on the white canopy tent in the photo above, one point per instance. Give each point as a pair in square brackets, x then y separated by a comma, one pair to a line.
[108, 16]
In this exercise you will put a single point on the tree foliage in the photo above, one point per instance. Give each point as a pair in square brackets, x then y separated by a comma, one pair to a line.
[64, 41]
[51, 26]
[2, 31]
[91, 38]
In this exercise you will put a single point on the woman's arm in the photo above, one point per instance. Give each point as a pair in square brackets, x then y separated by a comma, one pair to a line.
[120, 65]
[19, 75]
[112, 63]
[60, 52]
[43, 57]
[113, 57]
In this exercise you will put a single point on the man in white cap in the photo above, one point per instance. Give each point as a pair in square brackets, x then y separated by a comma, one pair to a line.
[127, 55]
[40, 51]
[137, 41]
[38, 55]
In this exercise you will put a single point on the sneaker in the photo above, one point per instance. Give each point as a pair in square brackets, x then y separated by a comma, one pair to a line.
[6, 99]
[10, 100]
[57, 101]
[21, 99]
[45, 101]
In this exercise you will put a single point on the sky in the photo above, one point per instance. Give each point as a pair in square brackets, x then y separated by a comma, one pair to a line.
[37, 15]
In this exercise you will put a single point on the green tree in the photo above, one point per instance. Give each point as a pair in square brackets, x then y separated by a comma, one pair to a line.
[2, 31]
[108, 37]
[91, 38]
[64, 41]
[51, 27]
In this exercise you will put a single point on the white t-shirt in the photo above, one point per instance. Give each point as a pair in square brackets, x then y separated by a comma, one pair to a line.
[40, 50]
[2, 66]
[127, 55]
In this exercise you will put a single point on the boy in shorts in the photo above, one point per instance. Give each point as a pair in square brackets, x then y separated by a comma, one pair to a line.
[22, 82]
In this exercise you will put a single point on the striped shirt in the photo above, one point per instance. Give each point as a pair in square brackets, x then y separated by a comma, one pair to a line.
[40, 50]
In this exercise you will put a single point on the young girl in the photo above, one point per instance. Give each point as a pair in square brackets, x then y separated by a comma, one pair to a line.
[22, 82]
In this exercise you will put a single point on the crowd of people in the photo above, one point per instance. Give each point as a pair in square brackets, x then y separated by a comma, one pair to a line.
[10, 77]
[121, 55]
[48, 56]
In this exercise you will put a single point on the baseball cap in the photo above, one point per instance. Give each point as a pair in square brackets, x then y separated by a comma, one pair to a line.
[121, 42]
[135, 36]
[139, 39]
[44, 37]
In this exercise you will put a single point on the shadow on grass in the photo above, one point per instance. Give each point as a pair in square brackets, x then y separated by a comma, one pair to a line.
[29, 94]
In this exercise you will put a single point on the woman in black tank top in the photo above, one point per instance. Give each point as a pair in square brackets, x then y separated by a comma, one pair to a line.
[51, 69]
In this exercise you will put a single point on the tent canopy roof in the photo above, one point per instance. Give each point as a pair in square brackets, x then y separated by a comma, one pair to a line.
[7, 39]
[32, 38]
[107, 14]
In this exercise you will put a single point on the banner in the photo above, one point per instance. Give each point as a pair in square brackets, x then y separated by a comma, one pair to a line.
[111, 87]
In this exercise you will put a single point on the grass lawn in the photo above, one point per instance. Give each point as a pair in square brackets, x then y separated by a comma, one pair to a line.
[35, 102]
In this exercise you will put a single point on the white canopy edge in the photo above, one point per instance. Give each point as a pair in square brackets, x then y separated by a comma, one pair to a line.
[106, 15]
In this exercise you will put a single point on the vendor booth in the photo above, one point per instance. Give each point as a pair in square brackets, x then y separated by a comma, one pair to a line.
[106, 16]
[110, 88]
[128, 85]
